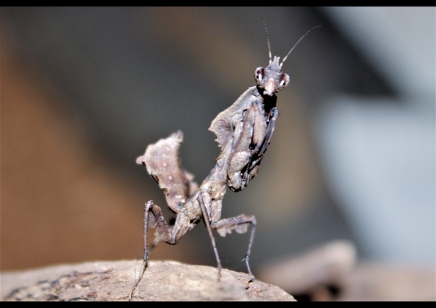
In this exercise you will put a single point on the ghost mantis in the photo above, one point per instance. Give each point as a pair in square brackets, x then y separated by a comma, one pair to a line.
[244, 131]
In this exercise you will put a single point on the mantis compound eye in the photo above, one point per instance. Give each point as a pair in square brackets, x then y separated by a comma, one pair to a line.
[259, 73]
[284, 80]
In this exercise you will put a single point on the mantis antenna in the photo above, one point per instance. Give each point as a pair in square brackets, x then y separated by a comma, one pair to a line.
[267, 37]
[295, 45]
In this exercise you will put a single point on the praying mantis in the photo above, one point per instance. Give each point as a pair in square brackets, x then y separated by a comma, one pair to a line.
[244, 131]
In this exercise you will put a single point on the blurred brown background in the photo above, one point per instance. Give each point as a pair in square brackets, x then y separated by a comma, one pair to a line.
[85, 90]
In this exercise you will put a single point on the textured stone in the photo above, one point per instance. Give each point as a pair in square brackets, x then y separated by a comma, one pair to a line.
[114, 281]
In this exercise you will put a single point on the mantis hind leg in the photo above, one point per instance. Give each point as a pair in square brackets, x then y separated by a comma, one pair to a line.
[209, 230]
[239, 224]
[163, 234]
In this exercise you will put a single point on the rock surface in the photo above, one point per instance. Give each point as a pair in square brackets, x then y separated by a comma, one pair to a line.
[114, 281]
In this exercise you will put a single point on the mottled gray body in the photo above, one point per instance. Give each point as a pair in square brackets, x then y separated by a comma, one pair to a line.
[243, 132]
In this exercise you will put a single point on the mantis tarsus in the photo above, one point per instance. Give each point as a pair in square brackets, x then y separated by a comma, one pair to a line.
[243, 132]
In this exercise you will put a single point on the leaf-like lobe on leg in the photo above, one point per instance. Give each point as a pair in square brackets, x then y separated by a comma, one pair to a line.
[221, 126]
[239, 224]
